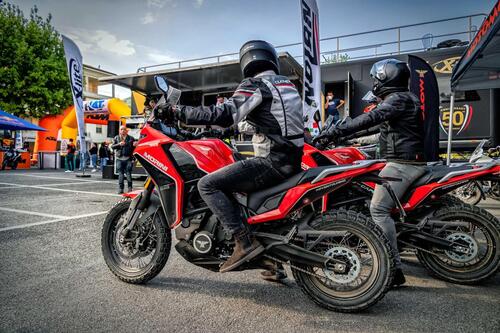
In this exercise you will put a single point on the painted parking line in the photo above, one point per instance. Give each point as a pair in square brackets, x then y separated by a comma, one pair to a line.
[20, 211]
[63, 190]
[12, 185]
[23, 226]
[64, 178]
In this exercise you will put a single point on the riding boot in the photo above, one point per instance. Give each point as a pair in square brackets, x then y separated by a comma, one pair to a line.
[399, 278]
[246, 248]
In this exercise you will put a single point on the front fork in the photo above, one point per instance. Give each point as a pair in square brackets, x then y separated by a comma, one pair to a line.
[139, 204]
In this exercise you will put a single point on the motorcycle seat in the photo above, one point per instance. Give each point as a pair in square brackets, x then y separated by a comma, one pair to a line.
[436, 172]
[269, 198]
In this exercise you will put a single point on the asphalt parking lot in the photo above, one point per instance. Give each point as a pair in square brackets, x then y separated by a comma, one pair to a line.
[53, 278]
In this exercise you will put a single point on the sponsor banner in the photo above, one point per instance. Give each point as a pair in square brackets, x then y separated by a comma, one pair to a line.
[64, 147]
[19, 140]
[96, 106]
[423, 83]
[312, 70]
[462, 116]
[75, 71]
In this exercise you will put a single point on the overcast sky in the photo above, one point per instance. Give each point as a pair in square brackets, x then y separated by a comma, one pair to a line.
[122, 35]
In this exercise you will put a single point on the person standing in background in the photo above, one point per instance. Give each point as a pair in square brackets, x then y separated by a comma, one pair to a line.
[70, 156]
[104, 154]
[123, 145]
[93, 157]
[220, 100]
[331, 106]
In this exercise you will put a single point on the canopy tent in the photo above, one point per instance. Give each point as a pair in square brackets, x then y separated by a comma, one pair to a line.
[479, 66]
[13, 123]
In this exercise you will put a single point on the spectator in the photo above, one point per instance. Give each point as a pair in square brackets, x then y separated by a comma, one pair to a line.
[93, 157]
[104, 154]
[81, 157]
[331, 106]
[123, 145]
[220, 100]
[70, 156]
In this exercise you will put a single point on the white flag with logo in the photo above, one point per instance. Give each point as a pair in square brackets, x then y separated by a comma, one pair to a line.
[312, 71]
[75, 71]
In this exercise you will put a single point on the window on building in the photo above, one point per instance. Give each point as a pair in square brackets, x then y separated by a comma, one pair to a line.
[98, 129]
[93, 83]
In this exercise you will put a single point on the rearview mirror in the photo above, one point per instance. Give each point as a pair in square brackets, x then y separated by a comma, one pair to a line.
[161, 84]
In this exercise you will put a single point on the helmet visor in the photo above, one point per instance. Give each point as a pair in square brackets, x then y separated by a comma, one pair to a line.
[378, 70]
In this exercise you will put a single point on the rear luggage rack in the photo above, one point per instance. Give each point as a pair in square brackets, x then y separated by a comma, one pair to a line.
[452, 174]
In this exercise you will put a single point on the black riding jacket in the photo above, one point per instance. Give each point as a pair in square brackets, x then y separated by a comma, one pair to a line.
[271, 104]
[401, 127]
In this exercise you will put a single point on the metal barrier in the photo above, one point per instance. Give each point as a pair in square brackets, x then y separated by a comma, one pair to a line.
[339, 54]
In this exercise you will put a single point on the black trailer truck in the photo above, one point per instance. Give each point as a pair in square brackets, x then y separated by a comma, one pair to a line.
[475, 110]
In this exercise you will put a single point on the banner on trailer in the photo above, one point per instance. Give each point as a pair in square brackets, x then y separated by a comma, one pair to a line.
[423, 83]
[312, 70]
[75, 71]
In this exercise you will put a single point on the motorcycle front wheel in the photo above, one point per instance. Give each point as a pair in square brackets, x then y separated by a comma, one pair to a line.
[356, 240]
[470, 228]
[144, 253]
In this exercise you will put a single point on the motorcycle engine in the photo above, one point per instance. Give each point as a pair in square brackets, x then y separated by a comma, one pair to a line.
[203, 242]
[205, 235]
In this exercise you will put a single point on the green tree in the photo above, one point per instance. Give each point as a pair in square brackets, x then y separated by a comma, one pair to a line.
[33, 75]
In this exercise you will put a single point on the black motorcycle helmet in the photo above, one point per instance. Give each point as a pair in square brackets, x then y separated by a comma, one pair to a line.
[257, 56]
[389, 75]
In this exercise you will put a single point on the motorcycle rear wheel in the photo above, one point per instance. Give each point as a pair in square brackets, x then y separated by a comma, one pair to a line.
[469, 193]
[478, 230]
[140, 261]
[363, 244]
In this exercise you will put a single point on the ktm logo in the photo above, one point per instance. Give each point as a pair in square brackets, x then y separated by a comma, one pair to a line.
[462, 116]
[445, 66]
[100, 116]
[421, 73]
[50, 138]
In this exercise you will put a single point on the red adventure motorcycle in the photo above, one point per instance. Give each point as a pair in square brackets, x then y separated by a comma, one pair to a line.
[456, 242]
[340, 259]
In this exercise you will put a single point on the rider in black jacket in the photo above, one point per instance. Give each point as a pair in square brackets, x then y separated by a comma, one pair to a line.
[271, 104]
[401, 141]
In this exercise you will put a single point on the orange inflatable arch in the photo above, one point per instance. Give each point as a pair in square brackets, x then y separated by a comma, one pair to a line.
[47, 141]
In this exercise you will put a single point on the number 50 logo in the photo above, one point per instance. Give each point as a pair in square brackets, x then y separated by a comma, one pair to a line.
[462, 116]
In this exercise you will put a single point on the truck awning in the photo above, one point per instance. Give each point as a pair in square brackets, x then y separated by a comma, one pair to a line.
[479, 66]
[207, 77]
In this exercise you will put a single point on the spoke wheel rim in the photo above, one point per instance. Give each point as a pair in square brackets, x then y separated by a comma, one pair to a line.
[483, 243]
[369, 268]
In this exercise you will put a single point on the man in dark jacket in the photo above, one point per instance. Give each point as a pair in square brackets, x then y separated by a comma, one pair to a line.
[271, 104]
[104, 154]
[401, 141]
[123, 145]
